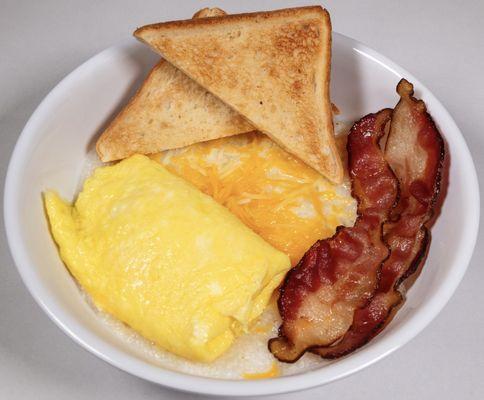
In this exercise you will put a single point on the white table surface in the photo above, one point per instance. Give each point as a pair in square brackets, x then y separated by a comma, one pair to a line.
[440, 42]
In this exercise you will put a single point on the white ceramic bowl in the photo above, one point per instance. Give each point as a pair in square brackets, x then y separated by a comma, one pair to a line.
[51, 152]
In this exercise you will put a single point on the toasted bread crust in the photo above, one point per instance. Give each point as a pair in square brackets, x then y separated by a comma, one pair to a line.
[209, 12]
[231, 18]
[272, 67]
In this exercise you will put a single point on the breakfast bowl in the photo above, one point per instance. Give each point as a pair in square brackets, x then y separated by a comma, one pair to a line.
[55, 151]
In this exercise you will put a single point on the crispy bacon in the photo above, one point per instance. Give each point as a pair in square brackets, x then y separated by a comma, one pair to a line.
[338, 275]
[415, 152]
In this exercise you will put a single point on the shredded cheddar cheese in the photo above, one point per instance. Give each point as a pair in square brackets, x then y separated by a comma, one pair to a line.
[278, 196]
[273, 372]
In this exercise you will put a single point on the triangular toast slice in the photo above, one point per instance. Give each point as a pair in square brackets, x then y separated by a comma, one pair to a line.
[169, 111]
[272, 67]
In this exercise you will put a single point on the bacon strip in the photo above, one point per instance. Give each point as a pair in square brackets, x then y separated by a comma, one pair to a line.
[338, 275]
[415, 151]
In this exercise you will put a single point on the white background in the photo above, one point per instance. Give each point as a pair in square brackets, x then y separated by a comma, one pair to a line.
[440, 42]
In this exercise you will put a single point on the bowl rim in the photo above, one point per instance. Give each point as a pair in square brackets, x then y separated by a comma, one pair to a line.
[212, 386]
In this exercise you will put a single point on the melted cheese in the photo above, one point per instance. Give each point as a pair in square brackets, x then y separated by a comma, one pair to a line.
[273, 372]
[282, 199]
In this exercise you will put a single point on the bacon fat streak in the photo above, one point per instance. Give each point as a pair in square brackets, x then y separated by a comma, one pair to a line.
[339, 275]
[415, 152]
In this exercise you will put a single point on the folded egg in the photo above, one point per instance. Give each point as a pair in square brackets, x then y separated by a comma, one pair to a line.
[166, 259]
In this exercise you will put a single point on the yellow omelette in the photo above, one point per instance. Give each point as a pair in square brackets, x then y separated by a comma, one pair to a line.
[165, 258]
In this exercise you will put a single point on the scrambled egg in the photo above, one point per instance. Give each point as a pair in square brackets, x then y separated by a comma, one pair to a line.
[164, 258]
[282, 199]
